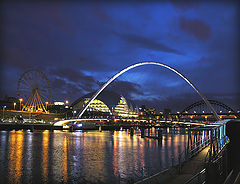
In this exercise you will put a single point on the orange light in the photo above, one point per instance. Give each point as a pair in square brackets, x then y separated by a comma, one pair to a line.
[20, 99]
[67, 102]
[46, 102]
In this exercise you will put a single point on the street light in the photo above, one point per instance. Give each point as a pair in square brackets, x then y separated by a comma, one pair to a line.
[3, 111]
[66, 103]
[46, 104]
[20, 102]
[14, 104]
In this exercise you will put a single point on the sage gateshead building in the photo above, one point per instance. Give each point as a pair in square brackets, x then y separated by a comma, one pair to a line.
[108, 103]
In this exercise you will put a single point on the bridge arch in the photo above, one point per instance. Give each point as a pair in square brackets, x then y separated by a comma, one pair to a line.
[212, 102]
[149, 63]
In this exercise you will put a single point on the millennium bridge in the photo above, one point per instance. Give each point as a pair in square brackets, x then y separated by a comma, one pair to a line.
[214, 135]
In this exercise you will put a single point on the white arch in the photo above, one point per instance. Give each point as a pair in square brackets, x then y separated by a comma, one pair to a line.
[149, 63]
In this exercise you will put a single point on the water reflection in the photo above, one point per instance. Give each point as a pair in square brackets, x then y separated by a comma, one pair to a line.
[15, 156]
[45, 143]
[65, 166]
[85, 157]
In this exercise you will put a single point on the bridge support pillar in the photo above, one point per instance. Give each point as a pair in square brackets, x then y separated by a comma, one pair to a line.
[71, 128]
[32, 128]
[142, 132]
[131, 131]
[160, 133]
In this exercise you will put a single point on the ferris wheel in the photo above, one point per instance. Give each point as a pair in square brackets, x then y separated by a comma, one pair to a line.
[35, 90]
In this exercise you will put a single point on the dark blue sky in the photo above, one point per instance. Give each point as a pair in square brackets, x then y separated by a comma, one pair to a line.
[80, 45]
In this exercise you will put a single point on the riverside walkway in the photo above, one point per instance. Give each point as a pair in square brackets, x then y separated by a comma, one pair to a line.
[205, 144]
[172, 175]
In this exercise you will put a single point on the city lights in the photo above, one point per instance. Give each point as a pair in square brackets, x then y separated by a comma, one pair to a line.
[20, 100]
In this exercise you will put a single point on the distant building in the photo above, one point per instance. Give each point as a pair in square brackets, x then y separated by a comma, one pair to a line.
[167, 114]
[122, 109]
[96, 105]
[58, 107]
[151, 112]
[144, 112]
[107, 103]
[10, 103]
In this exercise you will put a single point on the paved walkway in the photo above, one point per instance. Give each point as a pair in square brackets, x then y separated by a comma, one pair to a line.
[171, 176]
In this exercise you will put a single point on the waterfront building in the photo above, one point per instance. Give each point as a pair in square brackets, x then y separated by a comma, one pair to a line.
[96, 105]
[122, 109]
[107, 103]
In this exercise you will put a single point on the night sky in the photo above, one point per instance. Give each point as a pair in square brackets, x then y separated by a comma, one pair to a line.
[81, 45]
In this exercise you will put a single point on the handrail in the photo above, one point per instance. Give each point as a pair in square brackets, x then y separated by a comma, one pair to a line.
[196, 176]
[227, 180]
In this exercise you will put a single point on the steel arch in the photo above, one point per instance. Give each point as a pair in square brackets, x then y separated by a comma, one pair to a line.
[213, 102]
[149, 63]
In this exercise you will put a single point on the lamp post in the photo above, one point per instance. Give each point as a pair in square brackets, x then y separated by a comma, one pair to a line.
[46, 105]
[20, 103]
[14, 105]
[74, 112]
[66, 103]
[3, 111]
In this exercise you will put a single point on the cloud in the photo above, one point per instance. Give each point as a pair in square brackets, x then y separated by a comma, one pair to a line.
[125, 88]
[101, 14]
[71, 81]
[147, 43]
[184, 6]
[72, 75]
[173, 102]
[61, 90]
[195, 27]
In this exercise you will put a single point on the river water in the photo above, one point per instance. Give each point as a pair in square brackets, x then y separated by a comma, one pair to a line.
[85, 156]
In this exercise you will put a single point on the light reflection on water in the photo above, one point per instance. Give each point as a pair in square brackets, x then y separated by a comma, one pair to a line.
[84, 157]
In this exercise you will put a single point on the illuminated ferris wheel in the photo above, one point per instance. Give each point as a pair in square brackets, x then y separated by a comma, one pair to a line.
[35, 90]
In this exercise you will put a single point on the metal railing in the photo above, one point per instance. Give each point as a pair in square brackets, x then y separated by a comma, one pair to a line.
[200, 177]
[214, 155]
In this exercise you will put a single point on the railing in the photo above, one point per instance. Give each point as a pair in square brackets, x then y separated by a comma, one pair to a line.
[214, 156]
[217, 146]
[198, 178]
[198, 146]
[194, 150]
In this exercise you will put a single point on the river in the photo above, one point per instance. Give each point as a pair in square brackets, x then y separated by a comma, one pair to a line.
[85, 156]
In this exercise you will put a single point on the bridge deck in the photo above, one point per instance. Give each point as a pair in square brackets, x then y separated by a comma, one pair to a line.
[171, 176]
